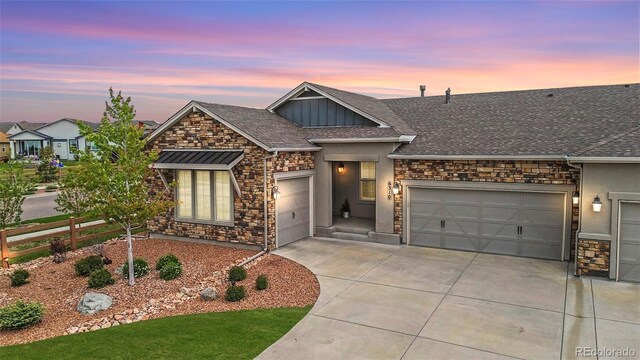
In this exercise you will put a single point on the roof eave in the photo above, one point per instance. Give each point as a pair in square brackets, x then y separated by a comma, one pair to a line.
[398, 139]
[475, 157]
[605, 159]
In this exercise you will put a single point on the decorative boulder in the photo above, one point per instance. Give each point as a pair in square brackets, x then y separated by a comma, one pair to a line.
[209, 294]
[92, 302]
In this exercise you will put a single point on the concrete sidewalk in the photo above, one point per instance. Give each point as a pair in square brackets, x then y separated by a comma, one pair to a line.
[49, 231]
[405, 302]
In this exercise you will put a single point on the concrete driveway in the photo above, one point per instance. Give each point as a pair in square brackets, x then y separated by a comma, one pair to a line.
[393, 302]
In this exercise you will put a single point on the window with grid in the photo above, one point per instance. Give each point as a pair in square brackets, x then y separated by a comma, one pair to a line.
[368, 181]
[204, 196]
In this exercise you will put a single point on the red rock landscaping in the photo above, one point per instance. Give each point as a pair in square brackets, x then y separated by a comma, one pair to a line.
[204, 265]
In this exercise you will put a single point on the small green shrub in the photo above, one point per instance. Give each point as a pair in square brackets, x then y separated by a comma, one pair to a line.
[261, 282]
[237, 273]
[51, 187]
[19, 277]
[140, 268]
[87, 265]
[165, 259]
[100, 278]
[234, 293]
[20, 315]
[170, 271]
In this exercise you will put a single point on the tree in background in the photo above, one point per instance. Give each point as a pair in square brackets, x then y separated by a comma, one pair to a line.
[48, 168]
[12, 189]
[119, 171]
[74, 197]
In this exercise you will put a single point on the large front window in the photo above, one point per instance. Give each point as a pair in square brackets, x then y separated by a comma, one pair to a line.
[368, 181]
[204, 196]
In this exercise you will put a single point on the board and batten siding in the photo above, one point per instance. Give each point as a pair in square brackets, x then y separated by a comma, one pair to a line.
[321, 112]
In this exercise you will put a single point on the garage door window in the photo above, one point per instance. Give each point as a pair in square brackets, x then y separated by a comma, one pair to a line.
[368, 181]
[204, 196]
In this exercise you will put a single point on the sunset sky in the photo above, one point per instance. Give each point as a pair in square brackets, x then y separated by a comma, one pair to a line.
[58, 59]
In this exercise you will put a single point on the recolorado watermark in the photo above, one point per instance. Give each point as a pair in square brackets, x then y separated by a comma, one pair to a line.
[588, 351]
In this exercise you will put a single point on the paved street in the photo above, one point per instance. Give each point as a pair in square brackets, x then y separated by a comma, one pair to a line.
[40, 205]
[402, 302]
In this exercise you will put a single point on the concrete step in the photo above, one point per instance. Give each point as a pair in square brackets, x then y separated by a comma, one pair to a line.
[350, 236]
[351, 230]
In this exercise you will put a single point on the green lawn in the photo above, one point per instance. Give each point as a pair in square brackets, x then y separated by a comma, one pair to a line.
[227, 335]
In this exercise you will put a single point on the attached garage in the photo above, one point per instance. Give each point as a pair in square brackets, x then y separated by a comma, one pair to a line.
[293, 207]
[629, 244]
[527, 221]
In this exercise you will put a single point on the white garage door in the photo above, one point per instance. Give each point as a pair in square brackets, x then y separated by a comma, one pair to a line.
[503, 222]
[629, 246]
[61, 149]
[293, 210]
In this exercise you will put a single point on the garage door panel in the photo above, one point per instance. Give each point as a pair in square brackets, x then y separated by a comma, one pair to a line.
[427, 195]
[501, 198]
[546, 250]
[499, 230]
[461, 242]
[425, 209]
[499, 246]
[548, 201]
[542, 233]
[427, 238]
[552, 217]
[500, 214]
[462, 197]
[426, 224]
[629, 245]
[461, 211]
[458, 226]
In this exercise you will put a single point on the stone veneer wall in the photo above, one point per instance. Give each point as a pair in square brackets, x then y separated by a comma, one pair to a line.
[503, 171]
[593, 257]
[199, 131]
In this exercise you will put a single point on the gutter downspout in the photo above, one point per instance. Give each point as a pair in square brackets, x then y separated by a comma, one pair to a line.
[265, 248]
[575, 270]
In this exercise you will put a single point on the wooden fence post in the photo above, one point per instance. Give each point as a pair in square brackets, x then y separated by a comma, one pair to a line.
[4, 249]
[72, 233]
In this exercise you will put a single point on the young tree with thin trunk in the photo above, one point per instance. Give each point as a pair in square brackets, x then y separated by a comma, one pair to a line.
[118, 172]
[13, 185]
[74, 198]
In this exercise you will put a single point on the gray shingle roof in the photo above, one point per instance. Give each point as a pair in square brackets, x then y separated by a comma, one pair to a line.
[370, 105]
[356, 132]
[526, 122]
[268, 128]
[624, 144]
[5, 126]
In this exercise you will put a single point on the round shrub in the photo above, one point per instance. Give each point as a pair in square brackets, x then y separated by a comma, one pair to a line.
[20, 315]
[170, 271]
[234, 293]
[19, 277]
[87, 265]
[140, 268]
[165, 259]
[100, 278]
[237, 273]
[261, 282]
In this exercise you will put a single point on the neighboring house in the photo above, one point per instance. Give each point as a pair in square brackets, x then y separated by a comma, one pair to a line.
[63, 135]
[149, 125]
[512, 173]
[5, 148]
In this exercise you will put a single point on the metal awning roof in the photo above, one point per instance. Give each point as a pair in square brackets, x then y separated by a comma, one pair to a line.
[198, 159]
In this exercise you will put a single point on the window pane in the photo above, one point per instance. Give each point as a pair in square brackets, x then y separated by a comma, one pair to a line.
[203, 195]
[184, 194]
[223, 196]
[367, 170]
[367, 190]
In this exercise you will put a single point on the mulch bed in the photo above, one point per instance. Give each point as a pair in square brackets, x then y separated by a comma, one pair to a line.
[59, 289]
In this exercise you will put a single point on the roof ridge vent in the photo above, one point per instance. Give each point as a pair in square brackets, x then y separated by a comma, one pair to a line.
[447, 96]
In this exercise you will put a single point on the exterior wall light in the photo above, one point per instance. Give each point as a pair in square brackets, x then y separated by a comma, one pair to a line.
[396, 188]
[597, 204]
[341, 168]
[575, 197]
[275, 192]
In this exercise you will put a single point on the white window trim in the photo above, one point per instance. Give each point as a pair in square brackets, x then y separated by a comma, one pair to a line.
[194, 196]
